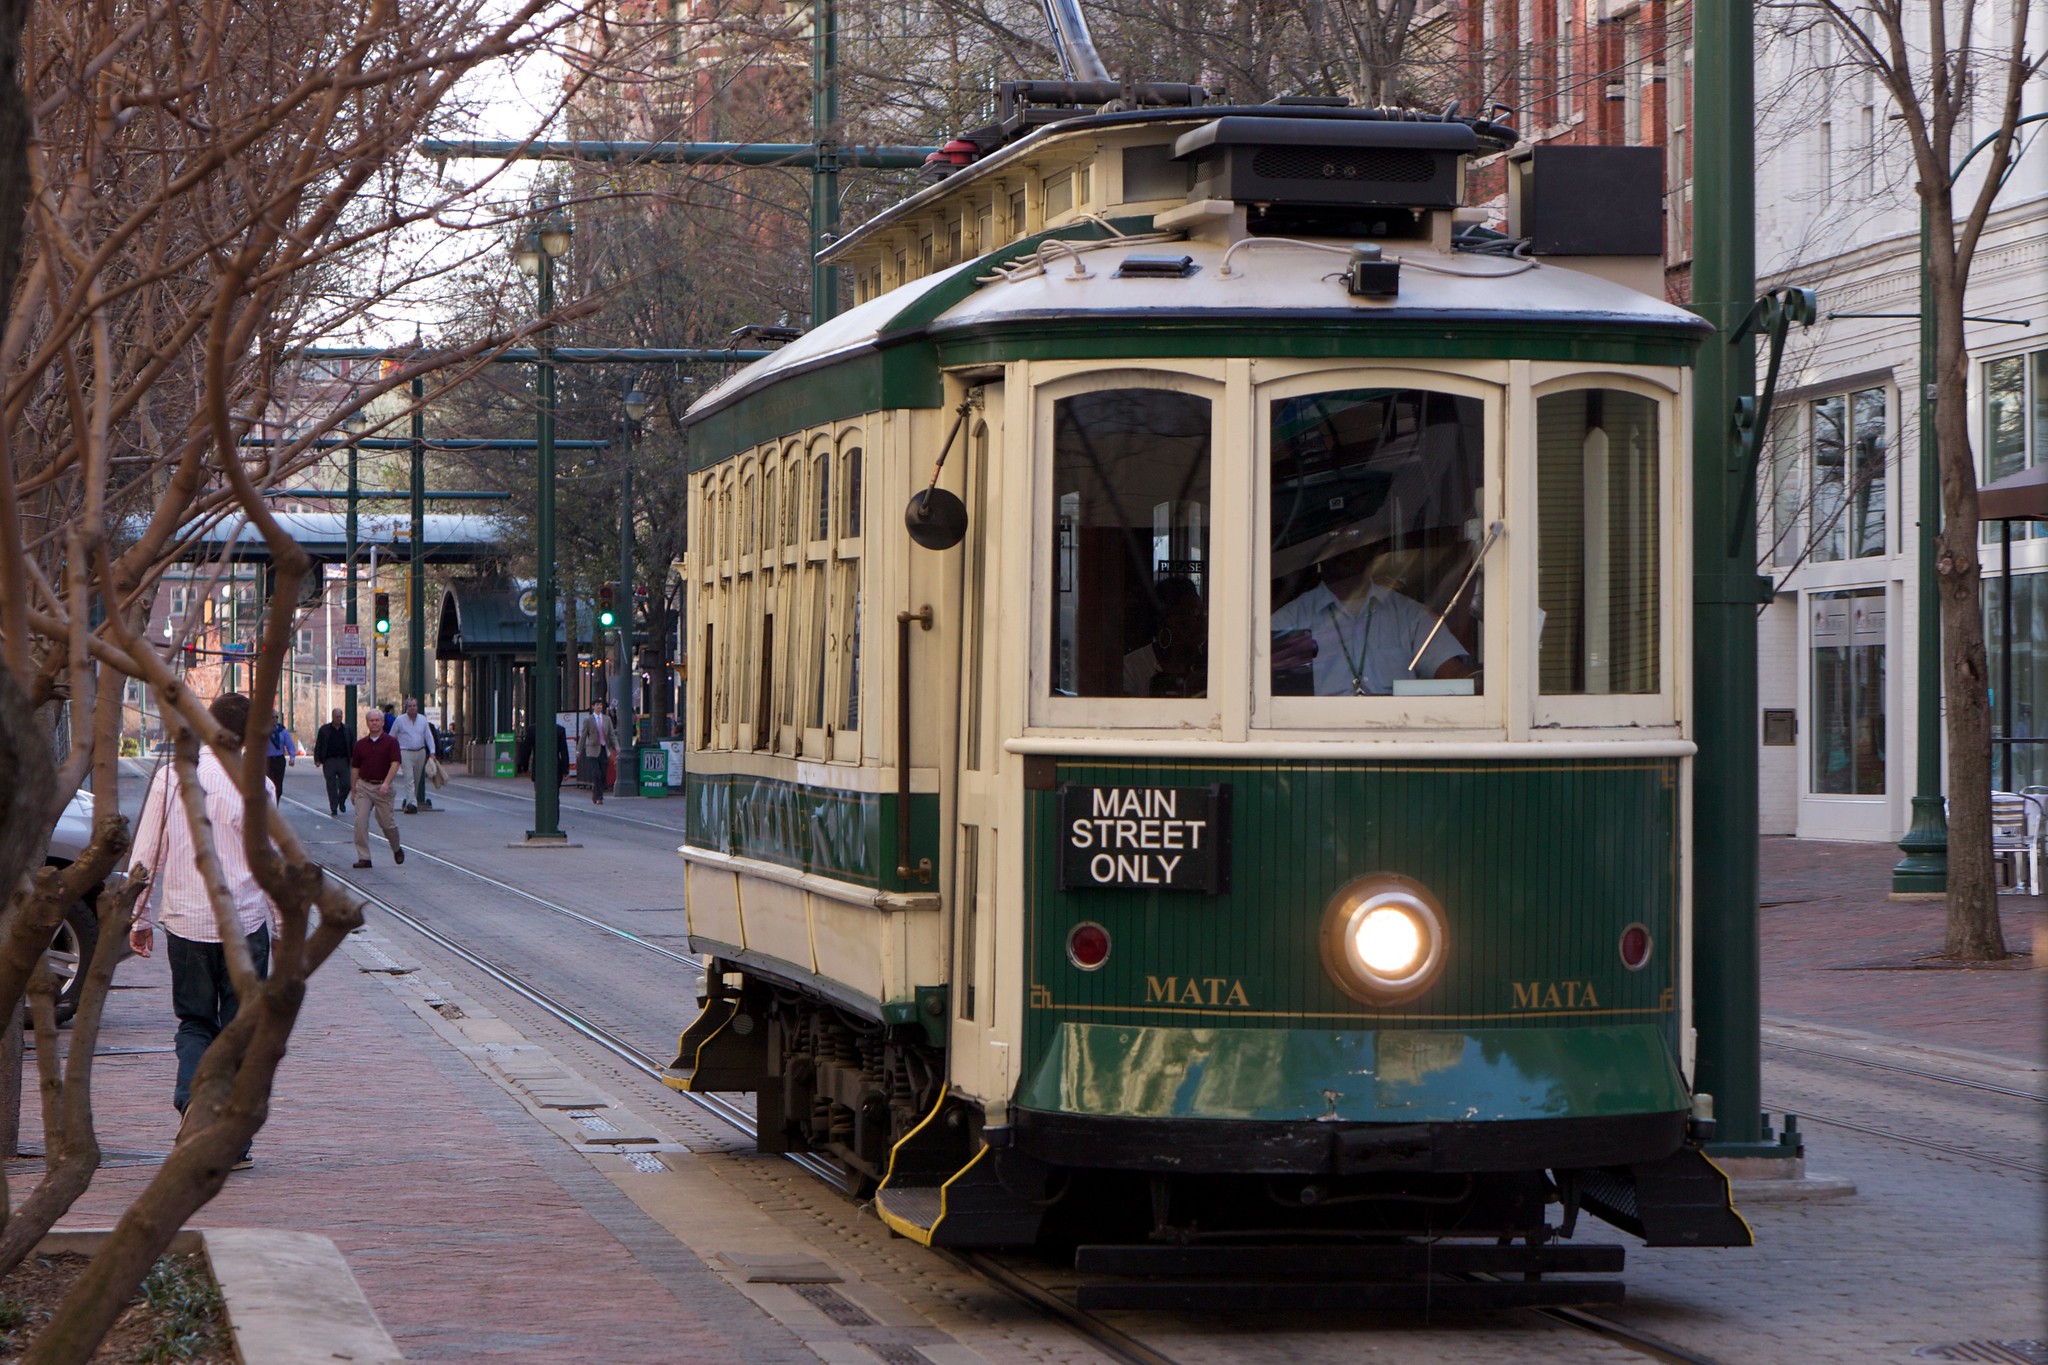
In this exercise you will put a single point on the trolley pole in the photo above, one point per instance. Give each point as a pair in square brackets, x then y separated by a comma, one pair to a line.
[1726, 587]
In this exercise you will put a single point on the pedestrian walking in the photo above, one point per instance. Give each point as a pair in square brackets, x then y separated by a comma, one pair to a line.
[415, 736]
[376, 764]
[284, 749]
[202, 993]
[598, 740]
[331, 748]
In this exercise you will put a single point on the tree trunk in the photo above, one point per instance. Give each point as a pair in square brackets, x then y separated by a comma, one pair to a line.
[1974, 932]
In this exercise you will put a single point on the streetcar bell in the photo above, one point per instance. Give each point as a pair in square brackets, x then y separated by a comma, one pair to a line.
[1383, 938]
[936, 518]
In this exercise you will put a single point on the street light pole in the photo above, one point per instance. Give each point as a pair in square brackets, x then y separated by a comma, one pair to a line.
[1924, 869]
[536, 254]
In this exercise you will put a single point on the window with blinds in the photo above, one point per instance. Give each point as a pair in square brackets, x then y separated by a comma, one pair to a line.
[1597, 543]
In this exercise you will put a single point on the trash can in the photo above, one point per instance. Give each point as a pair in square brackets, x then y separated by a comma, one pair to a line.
[653, 770]
[504, 760]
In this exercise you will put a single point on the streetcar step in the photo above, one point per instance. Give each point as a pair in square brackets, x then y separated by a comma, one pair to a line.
[1330, 1262]
[1240, 1296]
[968, 1208]
[1682, 1201]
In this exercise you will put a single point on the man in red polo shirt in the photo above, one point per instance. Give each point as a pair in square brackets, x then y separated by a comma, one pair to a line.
[376, 763]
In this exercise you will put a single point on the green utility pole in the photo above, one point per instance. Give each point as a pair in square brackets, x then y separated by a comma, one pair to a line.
[825, 168]
[348, 701]
[1924, 869]
[542, 243]
[789, 155]
[1726, 589]
[416, 592]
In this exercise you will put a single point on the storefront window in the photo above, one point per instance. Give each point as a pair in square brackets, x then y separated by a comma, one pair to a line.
[1848, 646]
[2028, 643]
[1376, 527]
[2015, 424]
[1597, 551]
[1847, 446]
[1131, 526]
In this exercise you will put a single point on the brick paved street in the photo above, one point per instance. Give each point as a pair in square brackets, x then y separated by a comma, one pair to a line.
[475, 1235]
[1837, 951]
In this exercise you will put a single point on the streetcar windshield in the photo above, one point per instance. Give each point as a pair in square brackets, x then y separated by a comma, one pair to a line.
[1131, 556]
[1376, 534]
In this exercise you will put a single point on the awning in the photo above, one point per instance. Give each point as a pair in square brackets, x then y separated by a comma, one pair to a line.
[2016, 497]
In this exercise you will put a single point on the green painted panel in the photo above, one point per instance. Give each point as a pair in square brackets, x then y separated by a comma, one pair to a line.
[1105, 337]
[1539, 866]
[833, 390]
[1413, 1076]
[831, 831]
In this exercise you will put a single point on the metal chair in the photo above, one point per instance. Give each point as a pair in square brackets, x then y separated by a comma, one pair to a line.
[2017, 821]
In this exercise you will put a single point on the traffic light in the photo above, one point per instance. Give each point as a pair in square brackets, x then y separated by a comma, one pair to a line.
[383, 616]
[606, 616]
[191, 655]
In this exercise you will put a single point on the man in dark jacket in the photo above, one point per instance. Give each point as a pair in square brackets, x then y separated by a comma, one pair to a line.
[331, 748]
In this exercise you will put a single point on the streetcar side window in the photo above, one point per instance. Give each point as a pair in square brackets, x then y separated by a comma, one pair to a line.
[1377, 543]
[1597, 543]
[1131, 522]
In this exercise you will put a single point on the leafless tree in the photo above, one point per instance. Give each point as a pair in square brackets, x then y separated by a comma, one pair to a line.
[186, 192]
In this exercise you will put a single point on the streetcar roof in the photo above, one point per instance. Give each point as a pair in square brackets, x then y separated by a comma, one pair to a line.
[1270, 279]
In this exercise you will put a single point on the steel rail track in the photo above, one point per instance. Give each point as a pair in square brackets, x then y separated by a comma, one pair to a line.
[683, 959]
[723, 1110]
[1918, 1073]
[1967, 1153]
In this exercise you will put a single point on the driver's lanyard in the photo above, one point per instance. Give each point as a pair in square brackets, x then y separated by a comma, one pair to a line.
[1356, 663]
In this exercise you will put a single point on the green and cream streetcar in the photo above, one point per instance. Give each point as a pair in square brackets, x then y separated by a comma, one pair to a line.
[1247, 801]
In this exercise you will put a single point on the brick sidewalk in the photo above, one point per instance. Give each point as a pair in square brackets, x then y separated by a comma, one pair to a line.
[1837, 951]
[476, 1235]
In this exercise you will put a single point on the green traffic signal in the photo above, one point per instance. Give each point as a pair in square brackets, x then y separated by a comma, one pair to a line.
[383, 614]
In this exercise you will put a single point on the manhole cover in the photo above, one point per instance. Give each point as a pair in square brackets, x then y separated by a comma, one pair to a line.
[834, 1305]
[1994, 1352]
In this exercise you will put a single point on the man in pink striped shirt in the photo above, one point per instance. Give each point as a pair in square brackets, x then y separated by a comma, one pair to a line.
[201, 992]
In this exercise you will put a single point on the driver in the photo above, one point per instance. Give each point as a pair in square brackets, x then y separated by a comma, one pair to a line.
[1357, 635]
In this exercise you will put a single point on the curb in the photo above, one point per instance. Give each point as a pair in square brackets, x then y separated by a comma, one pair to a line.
[291, 1298]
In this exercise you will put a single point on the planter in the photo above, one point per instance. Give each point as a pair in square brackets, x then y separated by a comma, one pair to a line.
[291, 1298]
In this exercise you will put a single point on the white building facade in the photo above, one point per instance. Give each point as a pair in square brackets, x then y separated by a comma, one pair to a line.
[1839, 505]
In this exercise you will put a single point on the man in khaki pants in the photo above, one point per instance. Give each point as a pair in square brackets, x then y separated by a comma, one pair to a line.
[376, 766]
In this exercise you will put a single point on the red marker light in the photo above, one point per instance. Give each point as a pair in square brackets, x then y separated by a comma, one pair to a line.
[1088, 945]
[1635, 947]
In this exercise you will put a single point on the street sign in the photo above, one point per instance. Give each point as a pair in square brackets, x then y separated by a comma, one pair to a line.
[351, 660]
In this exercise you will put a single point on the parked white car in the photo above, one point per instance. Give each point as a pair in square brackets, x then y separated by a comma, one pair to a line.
[77, 936]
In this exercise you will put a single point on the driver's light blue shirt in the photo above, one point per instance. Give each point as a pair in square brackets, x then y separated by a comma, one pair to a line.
[1375, 640]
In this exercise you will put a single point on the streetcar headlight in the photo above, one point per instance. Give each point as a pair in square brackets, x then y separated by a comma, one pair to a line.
[1387, 940]
[1383, 939]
